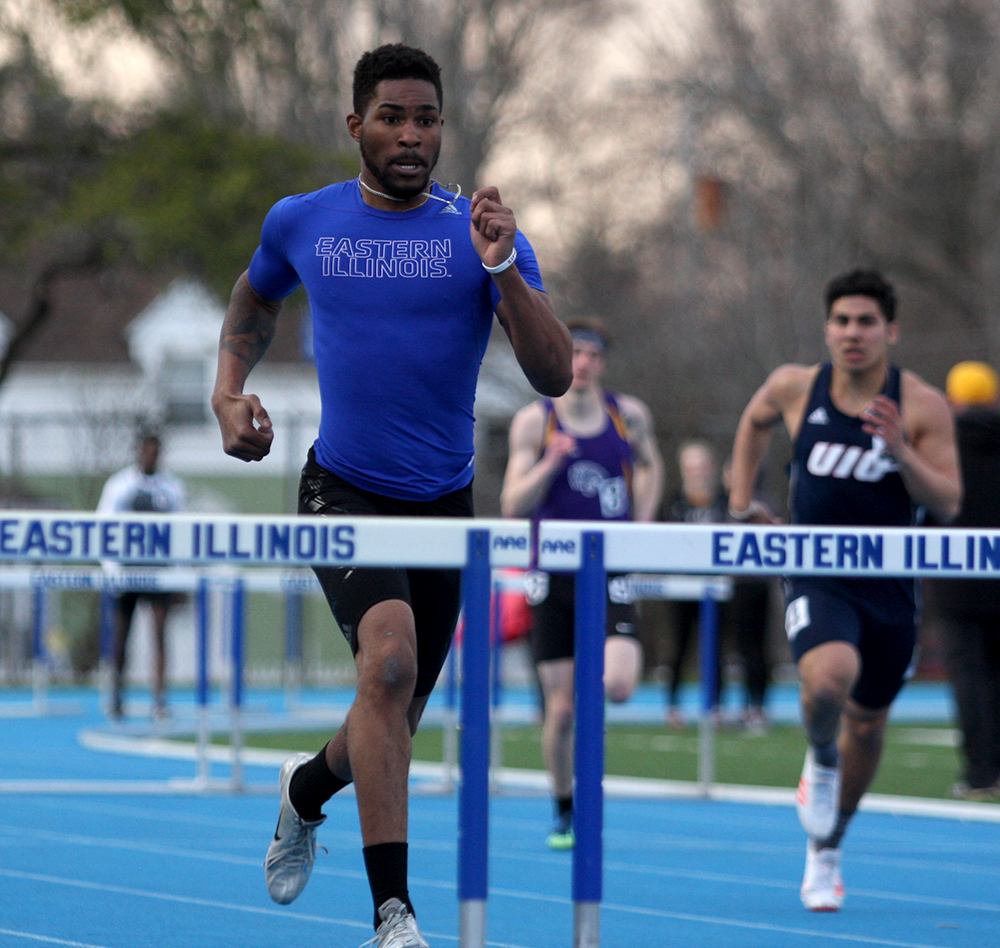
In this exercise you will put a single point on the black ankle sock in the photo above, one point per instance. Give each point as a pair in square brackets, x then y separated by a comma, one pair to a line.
[833, 840]
[386, 867]
[564, 805]
[826, 755]
[312, 785]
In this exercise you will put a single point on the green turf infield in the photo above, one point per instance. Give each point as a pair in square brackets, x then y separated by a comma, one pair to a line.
[918, 761]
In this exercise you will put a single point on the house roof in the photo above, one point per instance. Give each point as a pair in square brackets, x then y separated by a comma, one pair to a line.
[90, 315]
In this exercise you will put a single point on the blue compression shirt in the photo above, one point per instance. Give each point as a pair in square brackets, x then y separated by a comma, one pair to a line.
[401, 310]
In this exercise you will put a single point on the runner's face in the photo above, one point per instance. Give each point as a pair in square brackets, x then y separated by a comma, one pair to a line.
[697, 469]
[400, 136]
[858, 334]
[588, 364]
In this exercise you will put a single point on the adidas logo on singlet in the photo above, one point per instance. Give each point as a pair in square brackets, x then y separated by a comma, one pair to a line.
[449, 209]
[818, 417]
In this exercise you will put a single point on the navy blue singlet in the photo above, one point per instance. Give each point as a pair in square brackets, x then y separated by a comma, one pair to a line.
[842, 476]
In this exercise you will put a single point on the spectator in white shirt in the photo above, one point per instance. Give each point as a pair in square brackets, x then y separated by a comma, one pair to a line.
[142, 487]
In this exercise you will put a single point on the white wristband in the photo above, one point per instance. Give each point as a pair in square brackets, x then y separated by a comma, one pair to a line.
[509, 262]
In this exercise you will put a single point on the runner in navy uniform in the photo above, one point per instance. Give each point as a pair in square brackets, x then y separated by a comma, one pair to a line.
[871, 443]
[588, 455]
[403, 280]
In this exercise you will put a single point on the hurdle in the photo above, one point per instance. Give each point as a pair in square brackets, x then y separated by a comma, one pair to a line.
[472, 546]
[585, 548]
[591, 551]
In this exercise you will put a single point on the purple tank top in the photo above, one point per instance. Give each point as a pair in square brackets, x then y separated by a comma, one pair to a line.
[595, 483]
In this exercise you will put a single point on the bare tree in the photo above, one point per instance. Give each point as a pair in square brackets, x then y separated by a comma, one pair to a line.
[784, 142]
[875, 141]
[488, 51]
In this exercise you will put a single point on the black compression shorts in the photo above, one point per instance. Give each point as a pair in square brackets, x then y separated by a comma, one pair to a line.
[434, 595]
[553, 619]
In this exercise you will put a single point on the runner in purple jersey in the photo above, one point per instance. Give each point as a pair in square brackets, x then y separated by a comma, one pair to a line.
[587, 455]
[403, 279]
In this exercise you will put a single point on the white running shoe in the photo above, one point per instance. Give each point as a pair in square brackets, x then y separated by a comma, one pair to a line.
[818, 798]
[822, 886]
[292, 852]
[398, 928]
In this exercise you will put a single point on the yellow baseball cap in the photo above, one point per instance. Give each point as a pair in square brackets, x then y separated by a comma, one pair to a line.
[972, 383]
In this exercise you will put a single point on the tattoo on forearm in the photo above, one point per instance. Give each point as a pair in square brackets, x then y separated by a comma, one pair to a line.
[248, 343]
[248, 329]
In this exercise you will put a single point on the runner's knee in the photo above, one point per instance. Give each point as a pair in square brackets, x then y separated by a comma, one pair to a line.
[559, 711]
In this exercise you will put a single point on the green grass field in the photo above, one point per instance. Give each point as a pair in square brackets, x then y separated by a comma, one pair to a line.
[918, 761]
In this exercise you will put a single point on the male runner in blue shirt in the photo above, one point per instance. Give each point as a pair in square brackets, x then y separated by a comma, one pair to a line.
[403, 280]
[871, 442]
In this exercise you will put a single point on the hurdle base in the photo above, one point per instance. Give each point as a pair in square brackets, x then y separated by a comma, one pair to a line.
[472, 923]
[586, 924]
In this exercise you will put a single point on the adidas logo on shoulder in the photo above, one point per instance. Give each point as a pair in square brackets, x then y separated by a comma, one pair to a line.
[818, 417]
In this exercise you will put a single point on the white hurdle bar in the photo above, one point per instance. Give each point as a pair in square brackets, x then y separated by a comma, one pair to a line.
[586, 548]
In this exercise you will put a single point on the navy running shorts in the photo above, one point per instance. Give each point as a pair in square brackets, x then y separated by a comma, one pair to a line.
[434, 595]
[886, 637]
[553, 610]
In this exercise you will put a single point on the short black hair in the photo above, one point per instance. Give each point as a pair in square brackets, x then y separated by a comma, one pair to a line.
[392, 61]
[869, 283]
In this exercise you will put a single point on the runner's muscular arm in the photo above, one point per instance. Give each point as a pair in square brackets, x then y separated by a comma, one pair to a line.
[779, 398]
[247, 331]
[530, 470]
[647, 474]
[541, 342]
[923, 444]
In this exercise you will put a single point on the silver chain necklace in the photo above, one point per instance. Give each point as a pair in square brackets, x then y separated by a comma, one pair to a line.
[426, 194]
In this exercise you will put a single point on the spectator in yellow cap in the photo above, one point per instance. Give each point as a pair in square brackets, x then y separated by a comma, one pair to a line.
[969, 610]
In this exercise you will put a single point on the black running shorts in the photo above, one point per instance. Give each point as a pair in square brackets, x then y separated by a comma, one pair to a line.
[884, 632]
[553, 618]
[434, 595]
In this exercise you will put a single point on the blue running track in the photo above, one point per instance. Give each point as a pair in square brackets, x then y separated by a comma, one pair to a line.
[168, 870]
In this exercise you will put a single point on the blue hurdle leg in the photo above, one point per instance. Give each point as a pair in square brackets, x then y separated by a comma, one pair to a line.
[293, 648]
[39, 650]
[473, 794]
[201, 619]
[588, 808]
[496, 691]
[237, 617]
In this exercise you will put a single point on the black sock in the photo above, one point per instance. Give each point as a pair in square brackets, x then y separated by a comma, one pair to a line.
[385, 864]
[826, 755]
[833, 840]
[564, 805]
[312, 785]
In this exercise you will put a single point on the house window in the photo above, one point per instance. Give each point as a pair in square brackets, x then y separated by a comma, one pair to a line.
[184, 390]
